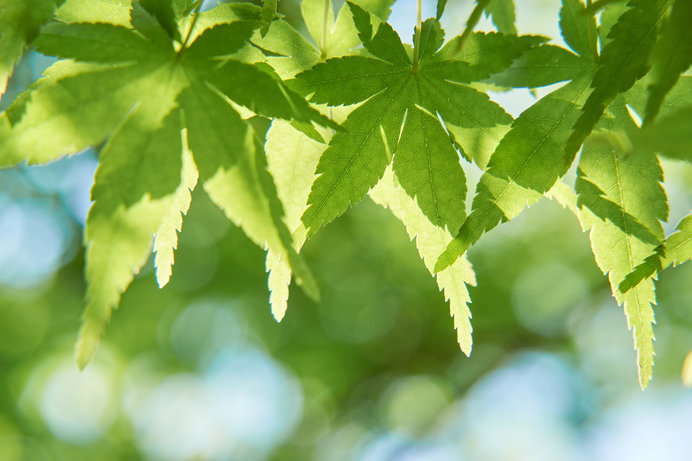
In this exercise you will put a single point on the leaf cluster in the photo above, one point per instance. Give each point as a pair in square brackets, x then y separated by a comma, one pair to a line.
[285, 131]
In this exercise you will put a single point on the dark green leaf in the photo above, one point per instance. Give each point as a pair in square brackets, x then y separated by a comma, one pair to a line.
[503, 15]
[671, 57]
[578, 29]
[386, 43]
[427, 167]
[93, 42]
[162, 10]
[527, 162]
[540, 66]
[623, 61]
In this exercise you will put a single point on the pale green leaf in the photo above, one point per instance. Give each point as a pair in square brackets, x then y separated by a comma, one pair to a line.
[19, 24]
[315, 13]
[292, 158]
[478, 143]
[670, 135]
[289, 52]
[679, 244]
[223, 13]
[686, 372]
[527, 163]
[234, 174]
[76, 112]
[166, 240]
[624, 222]
[135, 185]
[679, 97]
[430, 241]
[105, 11]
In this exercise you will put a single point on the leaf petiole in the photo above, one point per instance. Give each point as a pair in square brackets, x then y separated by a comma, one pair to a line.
[416, 45]
[474, 17]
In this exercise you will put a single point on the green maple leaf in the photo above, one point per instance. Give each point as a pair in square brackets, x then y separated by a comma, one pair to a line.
[399, 118]
[622, 202]
[530, 158]
[503, 15]
[430, 241]
[624, 60]
[541, 66]
[113, 11]
[105, 11]
[676, 250]
[671, 56]
[19, 24]
[150, 99]
[578, 30]
[678, 98]
[268, 13]
[668, 134]
[292, 157]
[293, 151]
[289, 52]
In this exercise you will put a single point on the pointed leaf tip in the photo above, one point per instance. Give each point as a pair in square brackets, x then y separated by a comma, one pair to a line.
[454, 250]
[87, 342]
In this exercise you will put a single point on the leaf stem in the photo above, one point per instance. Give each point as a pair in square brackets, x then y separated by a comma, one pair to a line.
[474, 17]
[416, 45]
[323, 39]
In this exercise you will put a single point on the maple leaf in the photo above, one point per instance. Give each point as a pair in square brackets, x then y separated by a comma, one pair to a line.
[104, 11]
[139, 91]
[578, 29]
[502, 15]
[668, 134]
[19, 25]
[671, 56]
[624, 60]
[622, 202]
[530, 158]
[294, 150]
[676, 250]
[292, 157]
[402, 102]
[430, 241]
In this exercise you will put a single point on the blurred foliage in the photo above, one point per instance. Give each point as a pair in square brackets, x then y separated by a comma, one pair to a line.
[377, 351]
